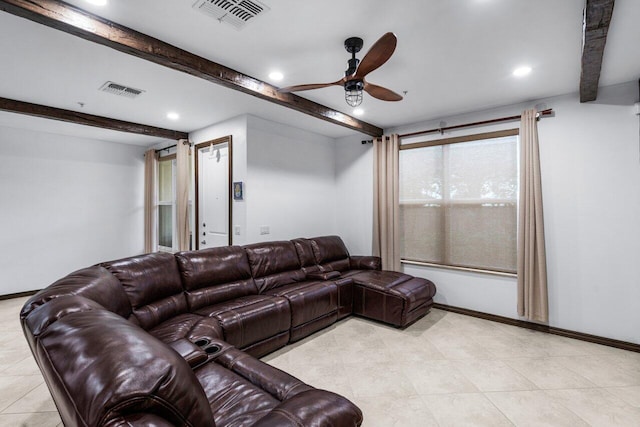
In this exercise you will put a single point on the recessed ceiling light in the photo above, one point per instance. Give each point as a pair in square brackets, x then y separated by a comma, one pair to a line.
[173, 116]
[97, 2]
[276, 76]
[521, 71]
[358, 112]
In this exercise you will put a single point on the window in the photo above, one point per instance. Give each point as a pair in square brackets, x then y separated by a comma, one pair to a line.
[166, 202]
[458, 201]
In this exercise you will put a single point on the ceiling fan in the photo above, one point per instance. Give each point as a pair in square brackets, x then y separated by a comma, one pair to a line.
[354, 78]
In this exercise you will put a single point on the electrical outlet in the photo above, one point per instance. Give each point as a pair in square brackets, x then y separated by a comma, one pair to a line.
[236, 230]
[264, 229]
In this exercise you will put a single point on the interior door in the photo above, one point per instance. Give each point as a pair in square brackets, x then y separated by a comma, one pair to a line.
[213, 194]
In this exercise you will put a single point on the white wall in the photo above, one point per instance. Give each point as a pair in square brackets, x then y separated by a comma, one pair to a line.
[67, 203]
[354, 193]
[590, 156]
[288, 175]
[237, 128]
[291, 182]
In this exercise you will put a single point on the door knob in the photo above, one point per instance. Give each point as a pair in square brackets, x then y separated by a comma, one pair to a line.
[204, 242]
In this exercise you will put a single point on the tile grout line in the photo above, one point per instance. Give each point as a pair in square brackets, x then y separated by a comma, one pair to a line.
[20, 397]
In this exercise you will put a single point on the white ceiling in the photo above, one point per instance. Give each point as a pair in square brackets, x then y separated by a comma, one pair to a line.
[453, 56]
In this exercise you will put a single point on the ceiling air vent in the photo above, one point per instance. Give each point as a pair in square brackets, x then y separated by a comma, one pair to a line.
[235, 12]
[121, 90]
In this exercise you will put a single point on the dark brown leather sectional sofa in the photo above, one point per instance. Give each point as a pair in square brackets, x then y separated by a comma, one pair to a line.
[162, 339]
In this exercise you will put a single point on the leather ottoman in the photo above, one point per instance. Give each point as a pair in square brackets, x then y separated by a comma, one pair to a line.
[391, 297]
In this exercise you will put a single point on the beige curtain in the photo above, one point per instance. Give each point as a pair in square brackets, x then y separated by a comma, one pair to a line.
[532, 266]
[150, 167]
[386, 201]
[182, 194]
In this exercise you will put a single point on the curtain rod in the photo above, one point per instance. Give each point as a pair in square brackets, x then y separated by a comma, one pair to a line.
[547, 112]
[166, 148]
[184, 141]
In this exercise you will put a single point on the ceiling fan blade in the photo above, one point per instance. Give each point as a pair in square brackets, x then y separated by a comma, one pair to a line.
[379, 53]
[381, 92]
[299, 88]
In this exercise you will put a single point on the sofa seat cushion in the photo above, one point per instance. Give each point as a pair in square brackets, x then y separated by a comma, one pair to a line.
[250, 319]
[379, 279]
[308, 300]
[234, 400]
[190, 326]
[350, 273]
[415, 292]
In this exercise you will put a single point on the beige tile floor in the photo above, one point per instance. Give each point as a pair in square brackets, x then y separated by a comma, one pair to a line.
[445, 370]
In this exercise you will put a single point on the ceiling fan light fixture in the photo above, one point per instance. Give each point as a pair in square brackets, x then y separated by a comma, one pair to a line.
[353, 92]
[353, 97]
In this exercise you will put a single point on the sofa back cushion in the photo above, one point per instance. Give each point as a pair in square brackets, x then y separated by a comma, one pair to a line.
[330, 253]
[152, 284]
[215, 275]
[95, 283]
[305, 255]
[274, 264]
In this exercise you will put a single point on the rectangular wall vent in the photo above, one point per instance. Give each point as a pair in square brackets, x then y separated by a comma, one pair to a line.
[121, 90]
[235, 12]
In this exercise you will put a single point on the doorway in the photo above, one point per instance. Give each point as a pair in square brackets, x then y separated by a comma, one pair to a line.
[213, 176]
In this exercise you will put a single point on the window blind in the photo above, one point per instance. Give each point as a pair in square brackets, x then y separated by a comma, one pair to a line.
[458, 203]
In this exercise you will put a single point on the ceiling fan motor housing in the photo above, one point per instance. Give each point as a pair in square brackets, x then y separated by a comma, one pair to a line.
[350, 85]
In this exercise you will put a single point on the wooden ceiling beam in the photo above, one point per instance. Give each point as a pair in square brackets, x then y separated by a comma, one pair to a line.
[70, 19]
[43, 111]
[597, 18]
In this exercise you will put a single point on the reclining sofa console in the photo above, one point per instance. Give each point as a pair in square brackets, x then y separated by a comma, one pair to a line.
[173, 340]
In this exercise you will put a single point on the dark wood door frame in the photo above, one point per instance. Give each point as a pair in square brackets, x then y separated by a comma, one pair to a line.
[215, 142]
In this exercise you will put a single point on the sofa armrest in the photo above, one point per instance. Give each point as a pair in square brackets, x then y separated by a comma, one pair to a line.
[94, 283]
[313, 408]
[365, 263]
[38, 320]
[278, 383]
[99, 367]
[323, 275]
[190, 352]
